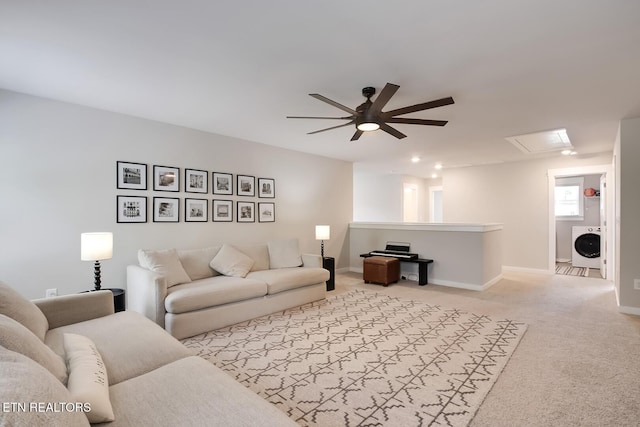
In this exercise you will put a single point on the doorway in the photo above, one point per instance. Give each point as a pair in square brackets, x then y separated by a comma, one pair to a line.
[577, 212]
[410, 203]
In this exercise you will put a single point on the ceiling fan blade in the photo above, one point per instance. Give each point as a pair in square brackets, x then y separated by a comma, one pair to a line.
[388, 129]
[416, 121]
[329, 118]
[332, 127]
[387, 92]
[419, 107]
[334, 103]
[357, 135]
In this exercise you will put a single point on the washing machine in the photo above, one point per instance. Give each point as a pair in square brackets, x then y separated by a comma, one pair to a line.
[586, 246]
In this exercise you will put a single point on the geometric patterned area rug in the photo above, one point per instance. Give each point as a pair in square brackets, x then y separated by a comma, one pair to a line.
[366, 359]
[568, 270]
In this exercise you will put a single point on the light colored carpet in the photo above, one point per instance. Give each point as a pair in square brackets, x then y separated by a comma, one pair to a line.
[578, 363]
[363, 358]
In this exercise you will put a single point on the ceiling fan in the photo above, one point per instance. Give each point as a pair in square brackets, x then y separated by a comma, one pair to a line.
[369, 116]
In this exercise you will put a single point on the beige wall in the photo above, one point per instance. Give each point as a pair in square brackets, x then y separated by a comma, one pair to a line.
[58, 180]
[627, 158]
[515, 195]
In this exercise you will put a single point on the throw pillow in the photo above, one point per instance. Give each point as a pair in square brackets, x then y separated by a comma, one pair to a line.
[15, 337]
[46, 402]
[166, 263]
[17, 307]
[196, 261]
[231, 262]
[284, 254]
[88, 380]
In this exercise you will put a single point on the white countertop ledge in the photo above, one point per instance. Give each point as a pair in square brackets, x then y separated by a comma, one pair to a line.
[462, 227]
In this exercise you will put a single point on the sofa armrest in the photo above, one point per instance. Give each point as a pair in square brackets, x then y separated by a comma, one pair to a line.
[311, 260]
[146, 291]
[68, 309]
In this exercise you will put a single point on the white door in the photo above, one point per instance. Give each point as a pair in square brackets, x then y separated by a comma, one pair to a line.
[435, 203]
[603, 226]
[410, 202]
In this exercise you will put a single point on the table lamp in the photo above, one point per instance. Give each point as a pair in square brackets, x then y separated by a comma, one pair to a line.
[323, 232]
[96, 247]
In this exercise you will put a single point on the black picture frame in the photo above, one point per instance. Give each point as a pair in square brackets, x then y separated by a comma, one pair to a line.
[131, 176]
[266, 188]
[196, 181]
[266, 212]
[222, 183]
[166, 178]
[166, 209]
[196, 210]
[246, 185]
[222, 210]
[131, 209]
[246, 212]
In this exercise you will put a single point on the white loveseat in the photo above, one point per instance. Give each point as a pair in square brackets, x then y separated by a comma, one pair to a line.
[68, 361]
[189, 292]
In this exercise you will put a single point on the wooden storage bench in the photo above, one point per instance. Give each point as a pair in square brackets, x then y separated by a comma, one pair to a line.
[381, 270]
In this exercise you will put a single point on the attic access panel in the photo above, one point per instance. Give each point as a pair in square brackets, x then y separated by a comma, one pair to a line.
[541, 142]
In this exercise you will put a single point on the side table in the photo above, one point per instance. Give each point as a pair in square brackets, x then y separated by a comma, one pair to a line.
[118, 298]
[329, 263]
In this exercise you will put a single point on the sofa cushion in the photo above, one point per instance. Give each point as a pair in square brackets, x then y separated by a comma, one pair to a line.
[25, 382]
[231, 262]
[258, 253]
[15, 337]
[196, 262]
[283, 279]
[284, 254]
[121, 339]
[88, 381]
[164, 262]
[17, 307]
[211, 292]
[191, 392]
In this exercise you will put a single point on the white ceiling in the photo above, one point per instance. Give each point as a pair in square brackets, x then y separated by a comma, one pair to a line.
[239, 67]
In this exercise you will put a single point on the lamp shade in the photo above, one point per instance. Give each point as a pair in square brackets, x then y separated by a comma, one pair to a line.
[323, 232]
[96, 246]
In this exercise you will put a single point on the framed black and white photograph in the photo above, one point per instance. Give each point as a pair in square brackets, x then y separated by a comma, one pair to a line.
[166, 209]
[166, 178]
[222, 210]
[195, 210]
[196, 181]
[246, 185]
[131, 176]
[246, 212]
[222, 183]
[266, 212]
[266, 188]
[131, 209]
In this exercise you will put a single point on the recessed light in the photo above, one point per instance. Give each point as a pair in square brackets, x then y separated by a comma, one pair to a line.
[438, 166]
[434, 175]
[569, 152]
[415, 159]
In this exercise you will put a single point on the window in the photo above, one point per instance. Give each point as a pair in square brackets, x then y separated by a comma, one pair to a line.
[569, 204]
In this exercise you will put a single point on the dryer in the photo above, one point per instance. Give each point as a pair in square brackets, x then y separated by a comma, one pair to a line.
[586, 246]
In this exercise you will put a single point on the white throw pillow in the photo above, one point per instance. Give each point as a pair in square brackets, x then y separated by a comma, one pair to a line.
[231, 262]
[284, 254]
[165, 262]
[88, 381]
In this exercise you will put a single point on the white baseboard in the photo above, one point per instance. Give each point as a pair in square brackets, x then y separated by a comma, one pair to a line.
[451, 284]
[629, 310]
[526, 270]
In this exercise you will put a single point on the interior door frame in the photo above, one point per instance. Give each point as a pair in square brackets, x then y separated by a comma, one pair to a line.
[606, 170]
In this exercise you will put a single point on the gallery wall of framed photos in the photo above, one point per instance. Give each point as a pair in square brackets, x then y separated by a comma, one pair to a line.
[209, 196]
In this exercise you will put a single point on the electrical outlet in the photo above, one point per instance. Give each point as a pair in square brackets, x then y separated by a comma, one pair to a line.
[52, 292]
[636, 284]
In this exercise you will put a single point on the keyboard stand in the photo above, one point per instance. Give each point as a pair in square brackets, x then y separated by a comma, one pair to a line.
[423, 263]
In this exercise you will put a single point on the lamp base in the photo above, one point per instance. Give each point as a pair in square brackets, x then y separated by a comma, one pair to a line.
[96, 276]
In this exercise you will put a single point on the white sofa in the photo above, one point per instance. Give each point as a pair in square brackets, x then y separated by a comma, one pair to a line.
[189, 292]
[130, 373]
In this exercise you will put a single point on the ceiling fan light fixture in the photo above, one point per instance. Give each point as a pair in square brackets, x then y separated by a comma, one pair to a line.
[368, 126]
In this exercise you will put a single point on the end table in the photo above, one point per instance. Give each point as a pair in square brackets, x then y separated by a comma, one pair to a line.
[329, 263]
